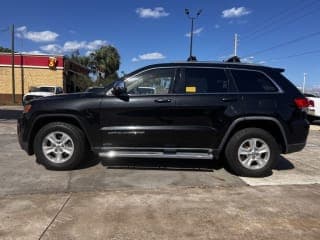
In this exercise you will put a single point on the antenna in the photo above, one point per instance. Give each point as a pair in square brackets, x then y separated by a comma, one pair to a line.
[236, 41]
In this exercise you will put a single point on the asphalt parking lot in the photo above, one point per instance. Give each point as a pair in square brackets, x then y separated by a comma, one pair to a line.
[152, 199]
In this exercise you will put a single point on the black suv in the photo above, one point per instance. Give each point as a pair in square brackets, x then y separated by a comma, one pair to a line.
[245, 114]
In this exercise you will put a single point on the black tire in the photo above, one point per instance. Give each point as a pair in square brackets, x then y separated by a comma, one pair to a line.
[78, 143]
[311, 119]
[239, 138]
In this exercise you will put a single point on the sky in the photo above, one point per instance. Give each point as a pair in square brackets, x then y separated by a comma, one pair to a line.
[274, 33]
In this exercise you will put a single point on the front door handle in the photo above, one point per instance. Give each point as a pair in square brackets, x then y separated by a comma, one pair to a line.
[228, 99]
[163, 100]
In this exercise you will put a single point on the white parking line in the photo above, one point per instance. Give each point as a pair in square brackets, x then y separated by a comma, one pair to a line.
[278, 178]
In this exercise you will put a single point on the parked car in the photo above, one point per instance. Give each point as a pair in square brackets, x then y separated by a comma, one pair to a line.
[313, 109]
[41, 91]
[246, 114]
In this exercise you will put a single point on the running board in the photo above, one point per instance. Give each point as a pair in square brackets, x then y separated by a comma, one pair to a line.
[136, 154]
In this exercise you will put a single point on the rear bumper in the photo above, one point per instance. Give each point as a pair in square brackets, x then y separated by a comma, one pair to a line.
[297, 135]
[295, 147]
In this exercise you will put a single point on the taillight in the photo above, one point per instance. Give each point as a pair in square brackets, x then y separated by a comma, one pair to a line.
[301, 103]
[311, 103]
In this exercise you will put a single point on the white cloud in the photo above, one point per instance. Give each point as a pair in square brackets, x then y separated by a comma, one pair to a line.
[195, 32]
[44, 36]
[216, 26]
[235, 12]
[88, 53]
[152, 13]
[148, 56]
[96, 44]
[71, 46]
[134, 59]
[248, 59]
[36, 52]
[52, 48]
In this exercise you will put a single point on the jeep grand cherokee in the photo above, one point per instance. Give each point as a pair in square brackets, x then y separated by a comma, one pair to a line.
[245, 114]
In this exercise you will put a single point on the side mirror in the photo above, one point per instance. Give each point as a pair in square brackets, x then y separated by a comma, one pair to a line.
[119, 88]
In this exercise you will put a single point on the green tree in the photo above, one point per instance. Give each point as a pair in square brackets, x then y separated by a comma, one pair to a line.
[84, 82]
[105, 62]
[82, 60]
[3, 49]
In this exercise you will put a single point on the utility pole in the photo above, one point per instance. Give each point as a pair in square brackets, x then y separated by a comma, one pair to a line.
[304, 81]
[187, 12]
[235, 44]
[12, 65]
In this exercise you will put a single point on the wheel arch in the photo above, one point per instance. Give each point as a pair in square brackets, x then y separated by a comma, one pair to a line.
[269, 124]
[43, 120]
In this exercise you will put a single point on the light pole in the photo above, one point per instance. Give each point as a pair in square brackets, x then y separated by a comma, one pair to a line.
[192, 18]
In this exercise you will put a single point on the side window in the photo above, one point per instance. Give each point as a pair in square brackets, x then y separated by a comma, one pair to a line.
[151, 82]
[252, 81]
[205, 80]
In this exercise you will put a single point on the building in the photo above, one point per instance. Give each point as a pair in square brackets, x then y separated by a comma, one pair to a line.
[35, 70]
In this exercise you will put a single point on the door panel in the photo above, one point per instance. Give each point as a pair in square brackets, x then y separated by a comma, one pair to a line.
[146, 117]
[142, 121]
[206, 107]
[205, 118]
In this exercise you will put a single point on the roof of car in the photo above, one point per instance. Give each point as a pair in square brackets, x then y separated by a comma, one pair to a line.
[212, 64]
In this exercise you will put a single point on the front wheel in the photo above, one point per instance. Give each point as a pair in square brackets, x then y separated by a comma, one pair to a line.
[60, 146]
[252, 152]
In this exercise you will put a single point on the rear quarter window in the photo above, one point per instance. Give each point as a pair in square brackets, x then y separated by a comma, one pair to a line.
[252, 81]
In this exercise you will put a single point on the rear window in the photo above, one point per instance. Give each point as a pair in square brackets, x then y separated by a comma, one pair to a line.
[205, 80]
[252, 81]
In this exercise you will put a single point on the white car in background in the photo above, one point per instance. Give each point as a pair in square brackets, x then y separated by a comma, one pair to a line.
[41, 91]
[313, 109]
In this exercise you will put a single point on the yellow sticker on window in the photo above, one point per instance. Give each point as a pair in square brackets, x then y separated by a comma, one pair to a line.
[191, 89]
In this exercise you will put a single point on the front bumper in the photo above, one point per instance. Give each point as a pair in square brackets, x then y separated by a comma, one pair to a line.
[21, 136]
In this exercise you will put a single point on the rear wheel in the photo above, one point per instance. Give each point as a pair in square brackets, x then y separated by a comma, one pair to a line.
[252, 152]
[60, 146]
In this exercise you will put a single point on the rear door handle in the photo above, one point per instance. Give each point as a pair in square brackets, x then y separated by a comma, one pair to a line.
[228, 99]
[163, 100]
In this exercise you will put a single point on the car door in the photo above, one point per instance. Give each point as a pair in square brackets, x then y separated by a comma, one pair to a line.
[206, 103]
[144, 118]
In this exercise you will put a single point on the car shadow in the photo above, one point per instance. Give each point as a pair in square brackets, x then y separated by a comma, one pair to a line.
[161, 164]
[169, 164]
[9, 114]
[284, 164]
[316, 122]
[89, 162]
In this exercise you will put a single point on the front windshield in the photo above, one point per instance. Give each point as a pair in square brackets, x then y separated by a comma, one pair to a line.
[42, 89]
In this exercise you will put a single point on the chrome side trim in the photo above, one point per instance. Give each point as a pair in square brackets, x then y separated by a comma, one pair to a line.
[167, 127]
[149, 154]
[155, 149]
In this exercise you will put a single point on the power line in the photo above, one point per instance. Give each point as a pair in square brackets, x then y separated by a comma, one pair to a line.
[276, 17]
[264, 28]
[5, 29]
[285, 43]
[295, 55]
[280, 17]
[277, 28]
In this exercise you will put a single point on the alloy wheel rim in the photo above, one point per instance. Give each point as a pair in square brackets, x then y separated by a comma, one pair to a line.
[254, 153]
[58, 147]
